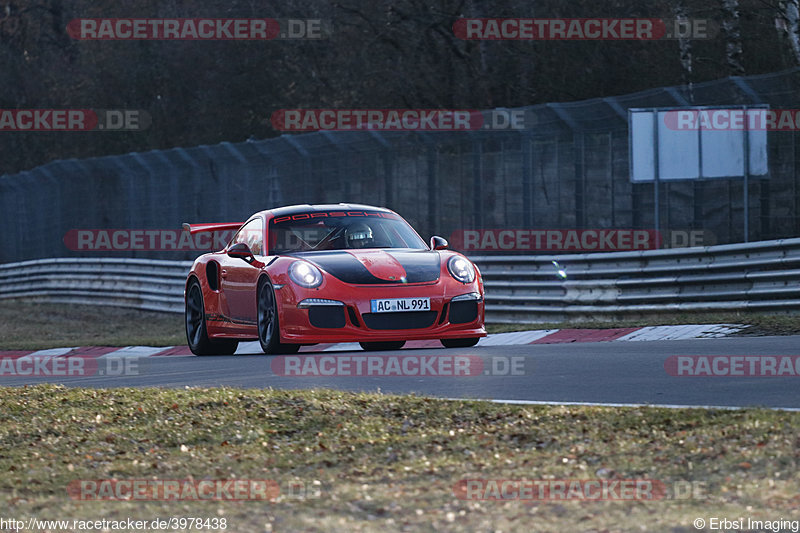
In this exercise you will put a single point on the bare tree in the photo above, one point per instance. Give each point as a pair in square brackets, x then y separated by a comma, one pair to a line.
[685, 48]
[733, 36]
[788, 24]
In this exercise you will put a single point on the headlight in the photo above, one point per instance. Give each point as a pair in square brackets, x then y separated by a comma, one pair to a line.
[461, 269]
[305, 274]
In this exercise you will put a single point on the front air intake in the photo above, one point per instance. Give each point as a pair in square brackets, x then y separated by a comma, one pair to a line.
[401, 320]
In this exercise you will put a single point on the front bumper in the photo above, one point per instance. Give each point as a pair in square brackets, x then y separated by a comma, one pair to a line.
[313, 316]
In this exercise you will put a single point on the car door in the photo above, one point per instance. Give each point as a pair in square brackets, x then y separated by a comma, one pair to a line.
[239, 278]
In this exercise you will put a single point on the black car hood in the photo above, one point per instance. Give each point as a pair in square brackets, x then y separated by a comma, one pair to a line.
[373, 267]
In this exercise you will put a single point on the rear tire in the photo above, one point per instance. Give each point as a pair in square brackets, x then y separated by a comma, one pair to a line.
[460, 343]
[382, 346]
[269, 335]
[196, 332]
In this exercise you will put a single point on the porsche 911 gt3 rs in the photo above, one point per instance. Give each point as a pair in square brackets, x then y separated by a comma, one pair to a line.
[309, 274]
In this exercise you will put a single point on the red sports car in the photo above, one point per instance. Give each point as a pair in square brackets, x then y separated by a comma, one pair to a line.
[307, 274]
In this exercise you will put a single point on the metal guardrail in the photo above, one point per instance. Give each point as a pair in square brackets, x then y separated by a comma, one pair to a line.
[524, 289]
[761, 276]
[135, 283]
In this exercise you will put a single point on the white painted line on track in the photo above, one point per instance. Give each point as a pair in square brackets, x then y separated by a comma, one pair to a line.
[515, 337]
[661, 333]
[721, 330]
[344, 346]
[133, 351]
[604, 404]
[52, 352]
[41, 355]
[687, 331]
[647, 333]
[248, 347]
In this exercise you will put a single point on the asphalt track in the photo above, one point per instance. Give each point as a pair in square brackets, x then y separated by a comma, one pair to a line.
[591, 372]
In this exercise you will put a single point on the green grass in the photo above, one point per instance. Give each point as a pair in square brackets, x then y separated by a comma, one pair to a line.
[36, 326]
[389, 463]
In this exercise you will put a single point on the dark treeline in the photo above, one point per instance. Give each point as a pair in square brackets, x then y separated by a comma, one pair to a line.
[381, 54]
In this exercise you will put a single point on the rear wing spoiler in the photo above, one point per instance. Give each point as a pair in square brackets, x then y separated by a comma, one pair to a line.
[211, 226]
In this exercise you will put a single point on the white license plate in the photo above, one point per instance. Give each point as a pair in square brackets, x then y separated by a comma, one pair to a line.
[394, 305]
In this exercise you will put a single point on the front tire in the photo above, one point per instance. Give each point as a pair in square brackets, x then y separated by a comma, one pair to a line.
[196, 332]
[460, 343]
[269, 336]
[381, 346]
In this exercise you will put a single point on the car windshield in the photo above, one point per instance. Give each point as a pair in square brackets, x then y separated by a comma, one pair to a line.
[341, 230]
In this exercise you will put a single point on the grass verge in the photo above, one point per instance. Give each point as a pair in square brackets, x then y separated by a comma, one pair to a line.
[37, 326]
[369, 462]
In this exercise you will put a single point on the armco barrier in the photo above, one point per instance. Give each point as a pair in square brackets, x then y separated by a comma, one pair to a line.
[136, 283]
[761, 276]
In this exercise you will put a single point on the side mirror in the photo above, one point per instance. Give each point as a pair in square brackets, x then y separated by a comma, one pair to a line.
[242, 251]
[438, 243]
